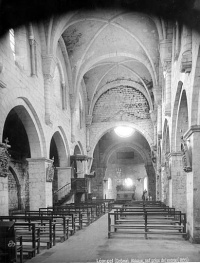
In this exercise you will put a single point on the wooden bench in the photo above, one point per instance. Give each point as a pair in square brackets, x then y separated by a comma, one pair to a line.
[95, 209]
[46, 224]
[89, 212]
[102, 205]
[140, 203]
[60, 221]
[147, 223]
[146, 209]
[75, 219]
[30, 237]
[86, 213]
[19, 248]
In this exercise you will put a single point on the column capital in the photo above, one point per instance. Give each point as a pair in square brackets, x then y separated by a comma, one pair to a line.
[88, 120]
[165, 50]
[167, 66]
[168, 109]
[49, 63]
[41, 159]
[158, 94]
[174, 154]
[153, 115]
[63, 168]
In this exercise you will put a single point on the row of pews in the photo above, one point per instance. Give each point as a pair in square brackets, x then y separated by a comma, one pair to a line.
[42, 229]
[146, 218]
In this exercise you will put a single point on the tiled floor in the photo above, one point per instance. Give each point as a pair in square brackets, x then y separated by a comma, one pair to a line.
[92, 245]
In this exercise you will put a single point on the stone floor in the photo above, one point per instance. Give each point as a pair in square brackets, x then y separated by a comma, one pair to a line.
[92, 245]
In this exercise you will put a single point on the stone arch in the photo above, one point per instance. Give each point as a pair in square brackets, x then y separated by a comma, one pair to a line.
[195, 109]
[63, 23]
[182, 120]
[60, 69]
[134, 146]
[67, 64]
[59, 152]
[31, 128]
[10, 102]
[63, 135]
[58, 142]
[78, 149]
[114, 84]
[15, 191]
[135, 56]
[110, 126]
[144, 160]
[175, 114]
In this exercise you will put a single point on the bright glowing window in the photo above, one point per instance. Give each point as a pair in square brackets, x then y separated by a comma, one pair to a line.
[109, 184]
[128, 182]
[124, 131]
[145, 183]
[12, 41]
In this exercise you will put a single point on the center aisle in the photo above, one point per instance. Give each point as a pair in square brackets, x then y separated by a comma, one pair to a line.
[91, 244]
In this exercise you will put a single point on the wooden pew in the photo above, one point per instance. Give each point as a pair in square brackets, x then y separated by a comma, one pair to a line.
[19, 248]
[74, 219]
[138, 222]
[86, 212]
[30, 237]
[46, 224]
[89, 212]
[60, 221]
[128, 208]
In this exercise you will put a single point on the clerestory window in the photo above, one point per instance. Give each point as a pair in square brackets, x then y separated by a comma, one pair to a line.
[12, 41]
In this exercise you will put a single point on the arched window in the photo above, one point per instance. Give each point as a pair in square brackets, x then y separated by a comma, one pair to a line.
[12, 41]
[109, 184]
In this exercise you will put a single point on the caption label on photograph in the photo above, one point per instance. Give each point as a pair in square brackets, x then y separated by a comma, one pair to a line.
[147, 260]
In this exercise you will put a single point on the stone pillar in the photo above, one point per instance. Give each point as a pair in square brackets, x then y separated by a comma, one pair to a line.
[73, 117]
[4, 170]
[154, 120]
[158, 164]
[64, 95]
[193, 184]
[4, 196]
[177, 182]
[151, 180]
[64, 177]
[167, 70]
[88, 124]
[48, 81]
[40, 187]
[166, 58]
[49, 64]
[159, 122]
[32, 50]
[162, 184]
[158, 172]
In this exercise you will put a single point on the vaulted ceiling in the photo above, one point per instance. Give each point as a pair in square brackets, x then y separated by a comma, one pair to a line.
[112, 49]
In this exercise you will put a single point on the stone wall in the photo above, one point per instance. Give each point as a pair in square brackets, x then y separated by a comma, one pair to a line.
[121, 104]
[20, 88]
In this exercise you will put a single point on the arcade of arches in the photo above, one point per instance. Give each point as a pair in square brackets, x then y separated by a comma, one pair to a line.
[68, 82]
